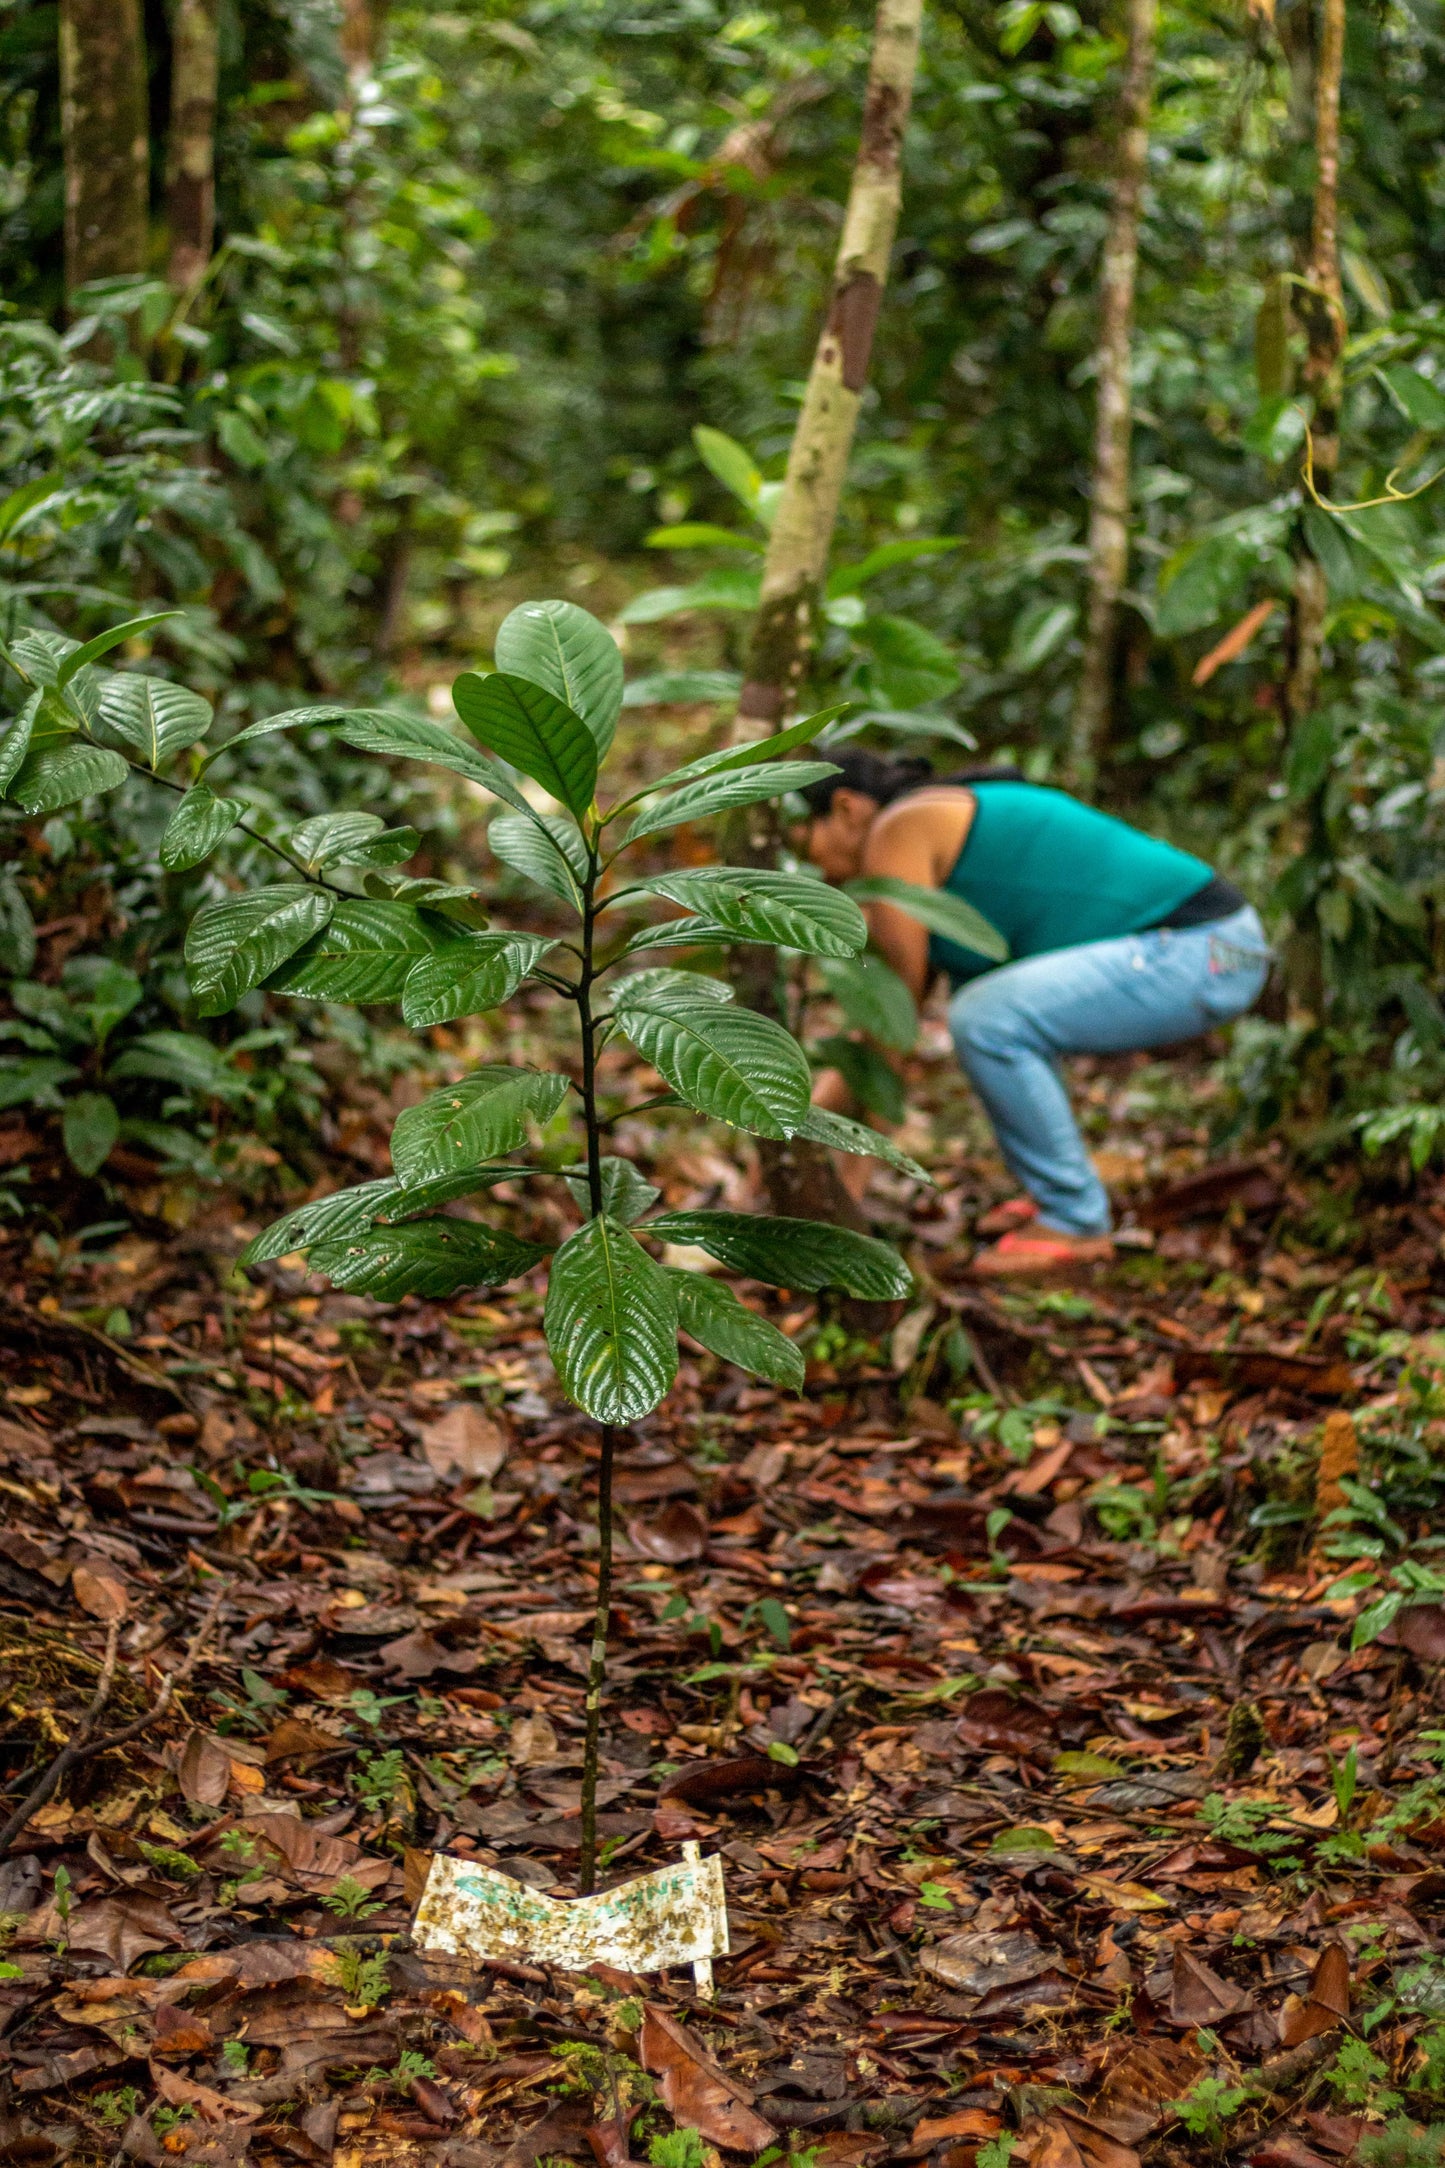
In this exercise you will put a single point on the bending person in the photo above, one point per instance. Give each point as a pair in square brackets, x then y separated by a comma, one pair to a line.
[1118, 942]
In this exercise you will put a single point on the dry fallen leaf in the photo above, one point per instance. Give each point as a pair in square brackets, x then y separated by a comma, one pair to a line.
[465, 1442]
[100, 1590]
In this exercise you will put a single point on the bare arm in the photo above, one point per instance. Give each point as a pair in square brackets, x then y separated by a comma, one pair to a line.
[917, 840]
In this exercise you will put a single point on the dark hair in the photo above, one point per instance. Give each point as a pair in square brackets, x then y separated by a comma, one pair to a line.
[877, 776]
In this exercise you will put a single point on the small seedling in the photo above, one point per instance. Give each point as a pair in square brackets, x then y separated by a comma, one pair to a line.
[677, 2149]
[1209, 2107]
[235, 2057]
[363, 1980]
[116, 2108]
[1358, 2076]
[997, 2152]
[351, 1900]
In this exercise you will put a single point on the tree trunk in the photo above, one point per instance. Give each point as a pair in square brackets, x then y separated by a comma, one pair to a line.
[1109, 511]
[191, 148]
[106, 147]
[797, 555]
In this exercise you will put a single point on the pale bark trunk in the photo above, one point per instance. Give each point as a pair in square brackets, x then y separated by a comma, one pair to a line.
[104, 132]
[797, 555]
[1109, 510]
[191, 149]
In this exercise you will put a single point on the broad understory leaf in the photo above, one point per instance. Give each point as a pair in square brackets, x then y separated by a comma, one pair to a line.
[566, 649]
[350, 839]
[786, 908]
[56, 775]
[715, 1317]
[544, 849]
[625, 1194]
[407, 737]
[872, 997]
[758, 751]
[844, 1135]
[938, 910]
[871, 1078]
[663, 985]
[431, 1257]
[804, 1254]
[355, 1211]
[728, 1062]
[525, 724]
[182, 1058]
[91, 650]
[366, 952]
[611, 1323]
[467, 976]
[28, 1082]
[152, 716]
[199, 823]
[476, 1120]
[90, 1128]
[326, 715]
[721, 793]
[16, 742]
[231, 946]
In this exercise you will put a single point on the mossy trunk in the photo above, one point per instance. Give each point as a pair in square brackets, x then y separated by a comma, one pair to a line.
[191, 145]
[105, 139]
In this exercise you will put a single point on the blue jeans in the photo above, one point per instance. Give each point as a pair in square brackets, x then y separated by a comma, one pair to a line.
[1012, 1027]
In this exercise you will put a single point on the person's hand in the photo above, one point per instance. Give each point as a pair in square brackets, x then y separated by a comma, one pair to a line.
[831, 1092]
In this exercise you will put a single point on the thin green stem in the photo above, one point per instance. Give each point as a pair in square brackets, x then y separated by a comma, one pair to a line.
[317, 880]
[597, 1668]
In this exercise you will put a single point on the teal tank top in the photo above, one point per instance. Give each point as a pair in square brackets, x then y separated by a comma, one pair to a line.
[1051, 873]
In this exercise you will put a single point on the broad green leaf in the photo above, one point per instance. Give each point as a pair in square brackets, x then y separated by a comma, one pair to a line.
[525, 724]
[1039, 632]
[325, 715]
[849, 578]
[728, 1062]
[91, 650]
[714, 1316]
[725, 458]
[1375, 1617]
[787, 908]
[572, 654]
[467, 976]
[843, 1135]
[803, 1254]
[625, 1195]
[25, 499]
[17, 928]
[711, 794]
[662, 986]
[104, 991]
[757, 751]
[350, 839]
[911, 665]
[727, 587]
[873, 998]
[56, 775]
[461, 906]
[16, 742]
[152, 716]
[199, 823]
[545, 850]
[611, 1323]
[1419, 398]
[681, 933]
[407, 737]
[681, 688]
[356, 1211]
[937, 909]
[484, 1115]
[27, 1082]
[90, 1128]
[698, 534]
[432, 1257]
[182, 1058]
[37, 655]
[365, 952]
[233, 945]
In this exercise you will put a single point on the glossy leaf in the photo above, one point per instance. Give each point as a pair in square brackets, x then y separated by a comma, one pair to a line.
[786, 908]
[758, 751]
[154, 717]
[467, 976]
[843, 1135]
[407, 737]
[625, 1194]
[231, 946]
[525, 724]
[355, 1211]
[350, 839]
[937, 909]
[803, 1254]
[572, 654]
[873, 998]
[728, 1062]
[365, 952]
[16, 741]
[663, 986]
[52, 776]
[712, 1313]
[90, 1128]
[726, 587]
[324, 715]
[545, 850]
[199, 823]
[483, 1116]
[720, 793]
[91, 651]
[611, 1323]
[431, 1257]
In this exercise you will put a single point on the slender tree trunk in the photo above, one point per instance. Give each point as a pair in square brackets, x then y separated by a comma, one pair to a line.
[784, 630]
[191, 147]
[106, 147]
[1109, 510]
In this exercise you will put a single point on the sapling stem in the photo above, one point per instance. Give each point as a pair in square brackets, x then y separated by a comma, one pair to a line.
[597, 1668]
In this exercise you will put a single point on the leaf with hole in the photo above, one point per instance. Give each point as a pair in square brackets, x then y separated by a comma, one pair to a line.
[785, 908]
[231, 946]
[567, 650]
[611, 1323]
[803, 1254]
[152, 716]
[723, 792]
[936, 908]
[483, 1116]
[53, 775]
[429, 1257]
[545, 849]
[525, 724]
[469, 976]
[728, 1062]
[365, 952]
[199, 823]
[716, 1319]
[842, 1135]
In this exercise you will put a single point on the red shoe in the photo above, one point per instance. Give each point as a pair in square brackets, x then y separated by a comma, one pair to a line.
[1018, 1255]
[1002, 1218]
